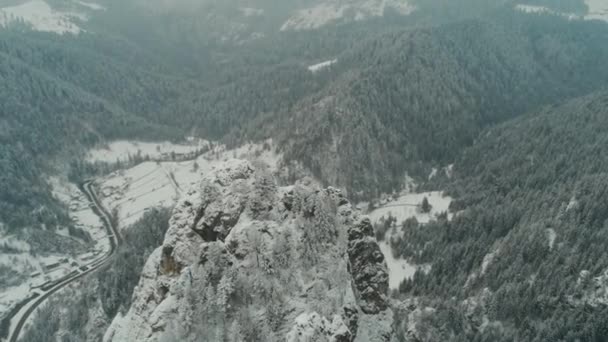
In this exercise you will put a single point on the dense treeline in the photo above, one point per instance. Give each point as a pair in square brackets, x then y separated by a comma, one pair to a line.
[424, 94]
[398, 95]
[51, 105]
[531, 230]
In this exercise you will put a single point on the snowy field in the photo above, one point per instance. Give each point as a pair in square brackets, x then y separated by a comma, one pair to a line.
[405, 207]
[320, 66]
[124, 150]
[42, 17]
[134, 191]
[532, 9]
[598, 10]
[327, 12]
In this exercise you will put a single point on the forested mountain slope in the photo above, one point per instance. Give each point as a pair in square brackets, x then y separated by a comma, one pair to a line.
[527, 247]
[424, 94]
[55, 99]
[397, 98]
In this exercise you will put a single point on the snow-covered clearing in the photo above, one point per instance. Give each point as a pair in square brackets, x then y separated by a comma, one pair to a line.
[91, 5]
[408, 206]
[134, 191]
[405, 207]
[532, 9]
[320, 66]
[123, 150]
[598, 10]
[332, 11]
[42, 17]
[551, 236]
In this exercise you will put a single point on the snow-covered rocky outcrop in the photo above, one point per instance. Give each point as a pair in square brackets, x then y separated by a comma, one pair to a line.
[245, 258]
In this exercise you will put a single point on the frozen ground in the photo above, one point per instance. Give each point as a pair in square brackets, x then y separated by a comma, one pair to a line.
[123, 150]
[320, 66]
[532, 9]
[148, 185]
[598, 9]
[331, 11]
[407, 206]
[42, 17]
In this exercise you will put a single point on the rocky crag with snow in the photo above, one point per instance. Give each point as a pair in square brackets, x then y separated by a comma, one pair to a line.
[245, 259]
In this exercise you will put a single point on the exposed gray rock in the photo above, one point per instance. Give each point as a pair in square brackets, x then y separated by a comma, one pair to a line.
[294, 263]
[368, 268]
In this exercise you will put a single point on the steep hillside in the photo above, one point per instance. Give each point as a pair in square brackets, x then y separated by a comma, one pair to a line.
[245, 259]
[525, 255]
[424, 94]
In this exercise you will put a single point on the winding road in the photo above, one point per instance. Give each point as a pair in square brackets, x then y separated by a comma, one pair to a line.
[115, 241]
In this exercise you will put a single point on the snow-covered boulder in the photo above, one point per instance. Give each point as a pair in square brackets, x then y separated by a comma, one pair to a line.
[245, 259]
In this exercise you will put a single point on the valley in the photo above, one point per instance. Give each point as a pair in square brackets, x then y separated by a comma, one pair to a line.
[303, 170]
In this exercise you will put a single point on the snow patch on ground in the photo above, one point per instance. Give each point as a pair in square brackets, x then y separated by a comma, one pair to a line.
[251, 12]
[328, 12]
[320, 66]
[124, 150]
[532, 9]
[408, 206]
[598, 10]
[572, 204]
[308, 324]
[42, 17]
[152, 184]
[594, 289]
[405, 207]
[399, 269]
[93, 6]
[487, 260]
[551, 236]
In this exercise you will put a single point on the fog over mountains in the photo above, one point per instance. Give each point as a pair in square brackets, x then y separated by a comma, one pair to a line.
[303, 170]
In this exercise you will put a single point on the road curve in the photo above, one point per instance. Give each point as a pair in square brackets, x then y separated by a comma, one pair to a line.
[115, 241]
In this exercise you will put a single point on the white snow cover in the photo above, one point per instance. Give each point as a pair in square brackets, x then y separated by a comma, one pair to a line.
[405, 207]
[320, 66]
[308, 324]
[174, 275]
[42, 17]
[159, 184]
[331, 11]
[251, 12]
[122, 150]
[91, 5]
[551, 236]
[598, 10]
[487, 260]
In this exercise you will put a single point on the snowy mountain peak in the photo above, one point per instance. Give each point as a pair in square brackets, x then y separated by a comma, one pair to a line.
[327, 12]
[40, 16]
[282, 263]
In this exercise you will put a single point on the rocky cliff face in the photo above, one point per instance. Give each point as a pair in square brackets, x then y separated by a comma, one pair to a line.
[247, 260]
